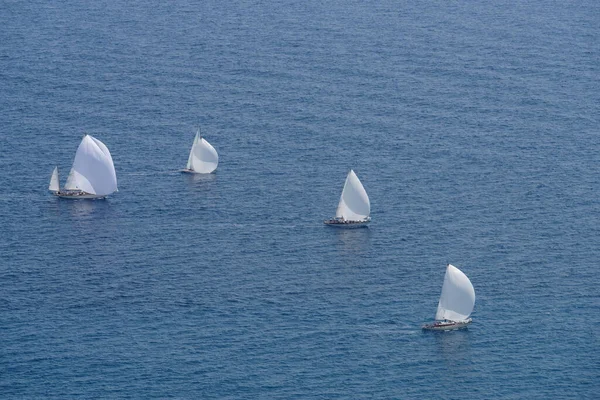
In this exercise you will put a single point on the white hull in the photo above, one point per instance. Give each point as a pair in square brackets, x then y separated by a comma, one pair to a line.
[447, 325]
[77, 195]
[346, 224]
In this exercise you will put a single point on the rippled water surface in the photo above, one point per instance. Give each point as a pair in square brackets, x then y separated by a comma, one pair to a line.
[473, 127]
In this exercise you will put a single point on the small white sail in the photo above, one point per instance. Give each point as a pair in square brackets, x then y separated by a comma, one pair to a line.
[458, 296]
[189, 162]
[54, 183]
[93, 170]
[354, 203]
[204, 157]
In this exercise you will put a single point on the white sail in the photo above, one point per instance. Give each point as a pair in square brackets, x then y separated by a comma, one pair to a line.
[54, 183]
[354, 203]
[204, 157]
[71, 184]
[458, 296]
[189, 162]
[93, 170]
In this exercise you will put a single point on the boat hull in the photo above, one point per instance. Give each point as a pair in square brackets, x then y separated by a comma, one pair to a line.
[447, 325]
[346, 224]
[191, 171]
[78, 195]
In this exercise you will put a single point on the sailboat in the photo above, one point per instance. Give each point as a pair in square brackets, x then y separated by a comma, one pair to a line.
[354, 207]
[92, 175]
[203, 157]
[456, 302]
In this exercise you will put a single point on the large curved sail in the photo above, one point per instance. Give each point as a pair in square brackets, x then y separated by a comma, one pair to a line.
[203, 157]
[458, 296]
[93, 170]
[354, 203]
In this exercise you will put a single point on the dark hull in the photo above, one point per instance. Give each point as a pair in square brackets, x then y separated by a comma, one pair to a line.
[346, 224]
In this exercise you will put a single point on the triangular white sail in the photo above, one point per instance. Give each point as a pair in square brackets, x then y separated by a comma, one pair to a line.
[93, 170]
[203, 157]
[458, 296]
[354, 203]
[54, 183]
[189, 162]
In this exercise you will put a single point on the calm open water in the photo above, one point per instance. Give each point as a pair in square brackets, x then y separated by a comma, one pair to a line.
[474, 127]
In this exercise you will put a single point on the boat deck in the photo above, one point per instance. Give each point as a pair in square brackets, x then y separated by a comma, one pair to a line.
[446, 325]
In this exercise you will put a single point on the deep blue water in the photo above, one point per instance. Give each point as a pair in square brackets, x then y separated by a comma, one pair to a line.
[474, 127]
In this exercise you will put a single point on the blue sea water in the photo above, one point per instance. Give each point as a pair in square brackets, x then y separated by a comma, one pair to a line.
[472, 125]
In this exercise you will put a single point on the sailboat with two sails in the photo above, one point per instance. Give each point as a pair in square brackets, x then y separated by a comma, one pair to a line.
[203, 158]
[456, 302]
[92, 175]
[354, 207]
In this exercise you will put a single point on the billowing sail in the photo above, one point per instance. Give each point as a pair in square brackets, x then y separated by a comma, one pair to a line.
[93, 170]
[458, 296]
[354, 203]
[54, 184]
[203, 157]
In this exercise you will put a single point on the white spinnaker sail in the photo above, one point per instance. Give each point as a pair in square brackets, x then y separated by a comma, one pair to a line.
[354, 203]
[458, 296]
[189, 162]
[54, 183]
[93, 170]
[204, 157]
